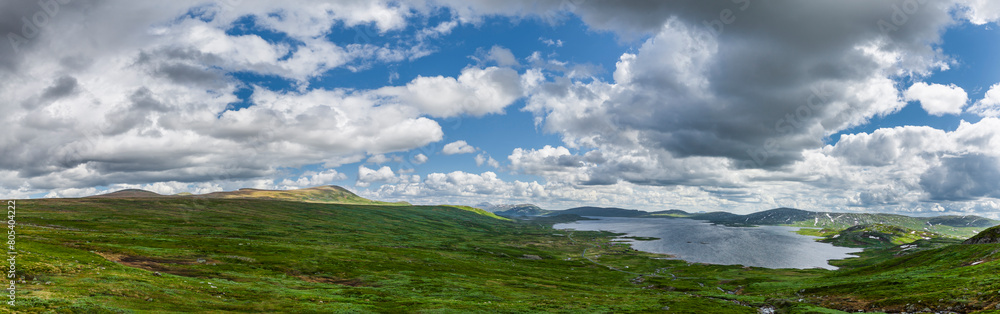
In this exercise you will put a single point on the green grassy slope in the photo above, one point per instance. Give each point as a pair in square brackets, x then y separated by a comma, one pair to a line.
[935, 275]
[522, 210]
[252, 255]
[330, 194]
[871, 235]
[991, 235]
[951, 226]
[189, 254]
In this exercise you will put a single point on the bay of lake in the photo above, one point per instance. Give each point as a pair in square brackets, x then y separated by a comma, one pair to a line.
[702, 242]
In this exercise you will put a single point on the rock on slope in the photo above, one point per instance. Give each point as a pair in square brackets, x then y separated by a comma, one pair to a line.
[991, 235]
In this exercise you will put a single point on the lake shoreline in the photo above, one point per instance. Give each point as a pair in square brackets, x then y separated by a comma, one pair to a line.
[698, 241]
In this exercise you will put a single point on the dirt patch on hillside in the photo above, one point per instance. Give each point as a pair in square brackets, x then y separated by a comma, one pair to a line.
[845, 303]
[337, 281]
[160, 264]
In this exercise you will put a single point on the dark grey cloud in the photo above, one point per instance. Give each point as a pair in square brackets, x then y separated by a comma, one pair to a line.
[195, 75]
[117, 92]
[64, 86]
[875, 198]
[25, 23]
[731, 194]
[76, 62]
[725, 86]
[754, 83]
[143, 99]
[11, 14]
[137, 114]
[963, 178]
[773, 61]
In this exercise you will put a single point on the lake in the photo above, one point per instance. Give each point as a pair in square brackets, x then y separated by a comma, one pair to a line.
[702, 242]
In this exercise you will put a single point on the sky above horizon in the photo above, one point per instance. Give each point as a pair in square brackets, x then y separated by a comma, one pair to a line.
[735, 105]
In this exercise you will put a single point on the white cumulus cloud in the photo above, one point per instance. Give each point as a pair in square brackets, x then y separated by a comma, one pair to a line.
[475, 92]
[502, 56]
[420, 159]
[938, 99]
[989, 106]
[367, 176]
[484, 158]
[458, 147]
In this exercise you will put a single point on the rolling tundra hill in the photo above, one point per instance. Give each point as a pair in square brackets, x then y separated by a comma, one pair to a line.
[520, 210]
[988, 236]
[874, 236]
[137, 252]
[330, 194]
[953, 226]
[130, 193]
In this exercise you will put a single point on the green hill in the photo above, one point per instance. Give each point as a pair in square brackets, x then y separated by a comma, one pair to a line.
[197, 254]
[521, 210]
[600, 212]
[875, 235]
[988, 236]
[775, 216]
[951, 226]
[130, 193]
[330, 194]
[676, 213]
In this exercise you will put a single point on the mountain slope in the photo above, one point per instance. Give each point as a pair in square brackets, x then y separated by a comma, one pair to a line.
[876, 235]
[129, 193]
[513, 210]
[189, 254]
[330, 194]
[521, 210]
[600, 212]
[991, 235]
[953, 226]
[768, 217]
[677, 213]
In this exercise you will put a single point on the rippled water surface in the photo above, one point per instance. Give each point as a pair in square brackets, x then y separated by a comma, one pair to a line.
[699, 241]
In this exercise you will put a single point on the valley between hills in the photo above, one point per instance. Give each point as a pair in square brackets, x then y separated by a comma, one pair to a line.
[325, 249]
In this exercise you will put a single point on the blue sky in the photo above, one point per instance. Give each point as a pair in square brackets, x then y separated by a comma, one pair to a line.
[976, 69]
[629, 104]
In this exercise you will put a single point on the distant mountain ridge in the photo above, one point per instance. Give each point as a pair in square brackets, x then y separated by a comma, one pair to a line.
[129, 193]
[601, 212]
[804, 218]
[777, 216]
[330, 194]
[509, 210]
[955, 226]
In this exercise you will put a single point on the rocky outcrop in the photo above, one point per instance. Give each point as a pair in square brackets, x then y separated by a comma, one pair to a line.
[991, 235]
